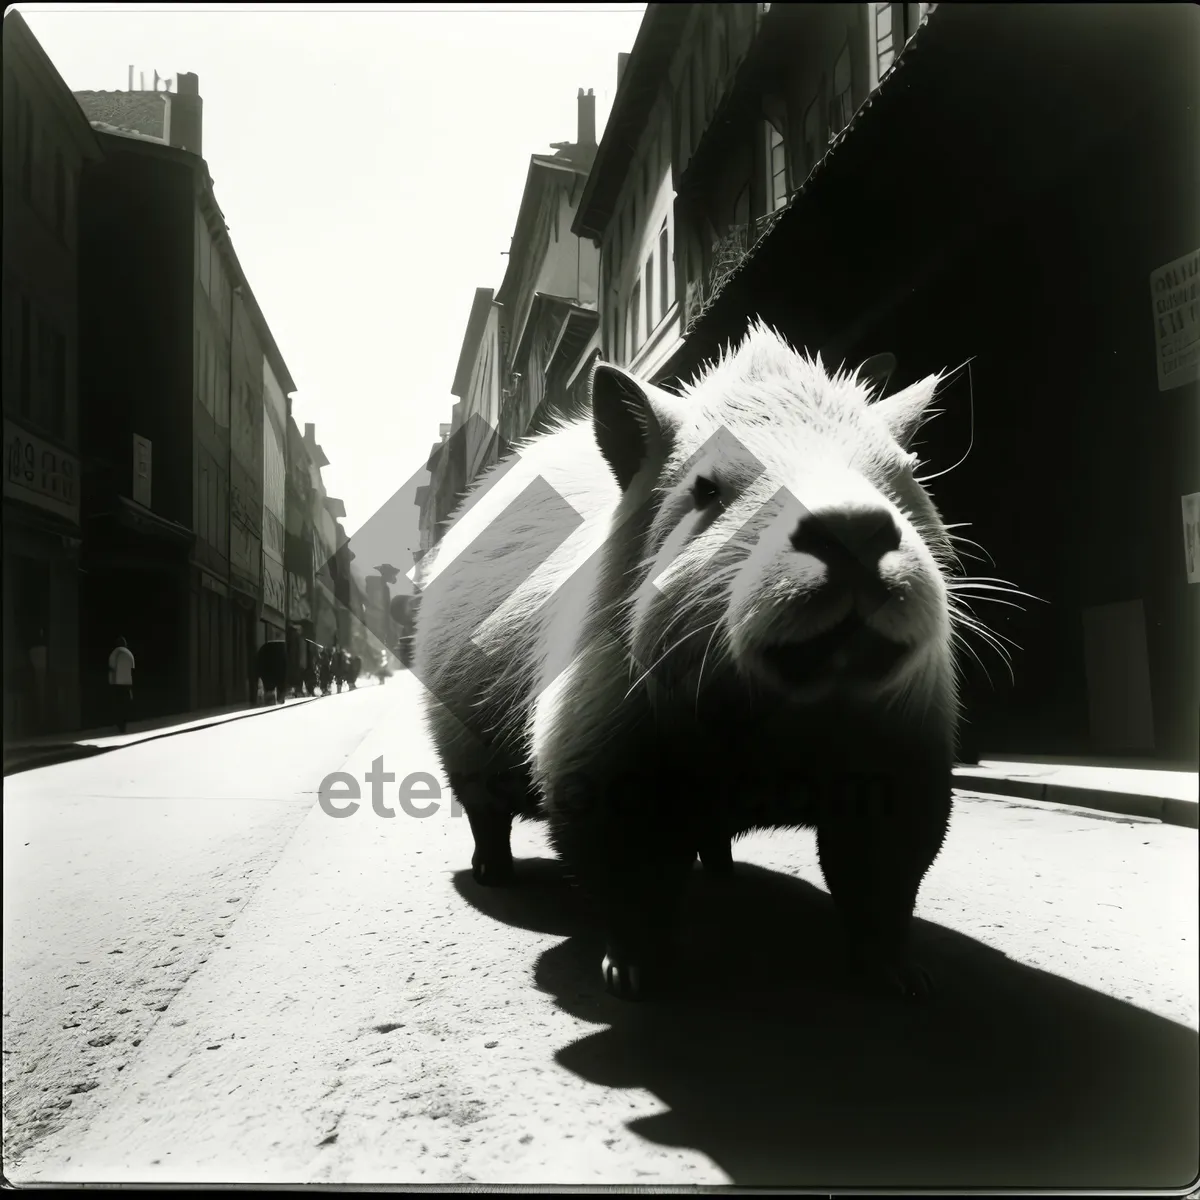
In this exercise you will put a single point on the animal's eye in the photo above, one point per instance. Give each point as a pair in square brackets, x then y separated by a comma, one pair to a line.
[705, 492]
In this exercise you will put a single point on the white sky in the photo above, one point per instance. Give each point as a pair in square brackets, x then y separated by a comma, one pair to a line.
[369, 160]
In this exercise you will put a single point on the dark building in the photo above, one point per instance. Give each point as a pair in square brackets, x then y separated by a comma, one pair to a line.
[980, 204]
[47, 141]
[173, 502]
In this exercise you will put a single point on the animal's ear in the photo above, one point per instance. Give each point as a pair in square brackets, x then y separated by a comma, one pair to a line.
[633, 420]
[906, 411]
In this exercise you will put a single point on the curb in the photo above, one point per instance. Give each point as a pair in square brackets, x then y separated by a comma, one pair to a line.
[1169, 810]
[53, 755]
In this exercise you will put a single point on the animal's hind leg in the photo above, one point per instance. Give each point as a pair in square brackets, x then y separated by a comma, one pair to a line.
[491, 820]
[874, 852]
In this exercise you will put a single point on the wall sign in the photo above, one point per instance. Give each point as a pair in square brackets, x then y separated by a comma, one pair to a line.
[1173, 291]
[40, 474]
[274, 593]
[1191, 536]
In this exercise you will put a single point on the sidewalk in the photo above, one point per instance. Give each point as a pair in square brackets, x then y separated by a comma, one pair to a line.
[1163, 792]
[28, 753]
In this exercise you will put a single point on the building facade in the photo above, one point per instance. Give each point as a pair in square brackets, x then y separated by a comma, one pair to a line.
[273, 624]
[245, 490]
[478, 379]
[179, 462]
[298, 544]
[47, 143]
[549, 296]
[324, 528]
[782, 129]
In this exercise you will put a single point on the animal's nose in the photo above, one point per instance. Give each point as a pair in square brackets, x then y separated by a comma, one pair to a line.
[845, 536]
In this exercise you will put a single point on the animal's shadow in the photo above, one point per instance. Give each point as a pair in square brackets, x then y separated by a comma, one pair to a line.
[784, 1076]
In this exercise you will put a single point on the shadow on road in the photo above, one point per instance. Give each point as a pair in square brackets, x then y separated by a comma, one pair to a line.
[1010, 1078]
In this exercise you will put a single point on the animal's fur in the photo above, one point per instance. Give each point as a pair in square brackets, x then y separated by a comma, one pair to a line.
[617, 627]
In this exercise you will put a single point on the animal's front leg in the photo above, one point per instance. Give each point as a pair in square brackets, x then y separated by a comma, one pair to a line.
[875, 848]
[631, 858]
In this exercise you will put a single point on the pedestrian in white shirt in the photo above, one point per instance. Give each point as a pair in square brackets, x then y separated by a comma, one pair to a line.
[120, 682]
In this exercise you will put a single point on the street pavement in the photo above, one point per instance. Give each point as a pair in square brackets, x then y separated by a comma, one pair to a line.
[208, 979]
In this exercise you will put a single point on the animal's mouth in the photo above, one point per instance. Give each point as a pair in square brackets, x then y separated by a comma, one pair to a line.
[851, 653]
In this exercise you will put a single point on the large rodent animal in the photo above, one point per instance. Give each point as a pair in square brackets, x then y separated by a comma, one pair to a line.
[679, 618]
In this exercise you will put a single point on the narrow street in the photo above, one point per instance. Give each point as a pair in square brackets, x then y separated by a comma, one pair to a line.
[212, 980]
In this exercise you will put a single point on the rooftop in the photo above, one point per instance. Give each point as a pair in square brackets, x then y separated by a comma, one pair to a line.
[141, 112]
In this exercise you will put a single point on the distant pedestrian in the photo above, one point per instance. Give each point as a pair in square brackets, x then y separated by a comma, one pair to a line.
[120, 682]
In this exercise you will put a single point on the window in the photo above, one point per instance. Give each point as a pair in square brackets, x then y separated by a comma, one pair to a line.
[203, 371]
[715, 46]
[685, 115]
[60, 195]
[777, 151]
[635, 318]
[741, 208]
[223, 398]
[842, 108]
[50, 407]
[205, 254]
[202, 502]
[58, 383]
[649, 273]
[617, 340]
[222, 519]
[27, 150]
[10, 360]
[663, 270]
[813, 133]
[885, 48]
[697, 98]
[26, 403]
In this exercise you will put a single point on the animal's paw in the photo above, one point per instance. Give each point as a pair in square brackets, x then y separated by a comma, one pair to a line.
[623, 977]
[892, 977]
[493, 872]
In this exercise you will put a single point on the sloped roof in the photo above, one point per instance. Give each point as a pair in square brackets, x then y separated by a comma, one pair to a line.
[143, 112]
[19, 38]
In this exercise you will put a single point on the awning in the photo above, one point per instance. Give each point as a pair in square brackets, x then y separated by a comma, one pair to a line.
[141, 520]
[987, 104]
[128, 516]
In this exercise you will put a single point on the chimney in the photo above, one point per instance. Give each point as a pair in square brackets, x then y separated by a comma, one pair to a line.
[187, 114]
[587, 119]
[622, 63]
[310, 432]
